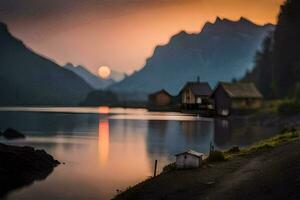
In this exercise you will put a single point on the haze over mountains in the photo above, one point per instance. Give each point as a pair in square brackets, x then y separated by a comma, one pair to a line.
[95, 81]
[27, 78]
[223, 50]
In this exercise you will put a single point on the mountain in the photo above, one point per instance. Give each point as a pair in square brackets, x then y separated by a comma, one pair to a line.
[223, 50]
[27, 78]
[95, 81]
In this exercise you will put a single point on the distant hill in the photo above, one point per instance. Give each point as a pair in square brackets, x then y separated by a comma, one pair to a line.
[223, 50]
[95, 81]
[27, 78]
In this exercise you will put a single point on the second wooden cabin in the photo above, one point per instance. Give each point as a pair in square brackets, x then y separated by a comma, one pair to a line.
[236, 97]
[196, 95]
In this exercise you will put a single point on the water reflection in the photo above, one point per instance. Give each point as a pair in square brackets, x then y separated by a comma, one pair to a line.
[197, 133]
[107, 149]
[103, 141]
[237, 132]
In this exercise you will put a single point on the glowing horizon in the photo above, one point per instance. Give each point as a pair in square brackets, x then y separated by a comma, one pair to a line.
[116, 33]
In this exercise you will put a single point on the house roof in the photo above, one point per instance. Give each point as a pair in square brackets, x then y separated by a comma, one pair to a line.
[191, 152]
[160, 91]
[241, 90]
[198, 88]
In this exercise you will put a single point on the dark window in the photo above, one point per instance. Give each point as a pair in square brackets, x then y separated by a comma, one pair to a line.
[249, 102]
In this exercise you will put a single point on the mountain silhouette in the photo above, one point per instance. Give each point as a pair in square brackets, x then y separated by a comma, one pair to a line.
[223, 50]
[27, 78]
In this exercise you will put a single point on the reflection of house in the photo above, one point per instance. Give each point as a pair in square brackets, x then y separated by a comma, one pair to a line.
[197, 132]
[231, 97]
[222, 133]
[160, 98]
[189, 159]
[196, 95]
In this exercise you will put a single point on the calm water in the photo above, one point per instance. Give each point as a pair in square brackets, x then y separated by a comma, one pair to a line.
[108, 149]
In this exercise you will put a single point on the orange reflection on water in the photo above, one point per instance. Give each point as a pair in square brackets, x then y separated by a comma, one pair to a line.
[103, 141]
[103, 109]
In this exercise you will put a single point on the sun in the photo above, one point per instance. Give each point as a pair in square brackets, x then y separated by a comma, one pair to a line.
[104, 72]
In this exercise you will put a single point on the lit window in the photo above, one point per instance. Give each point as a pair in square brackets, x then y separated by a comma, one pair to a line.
[199, 100]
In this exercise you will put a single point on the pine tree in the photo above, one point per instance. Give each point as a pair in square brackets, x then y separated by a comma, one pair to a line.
[277, 66]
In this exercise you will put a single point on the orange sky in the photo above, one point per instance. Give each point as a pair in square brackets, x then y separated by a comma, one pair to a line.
[120, 34]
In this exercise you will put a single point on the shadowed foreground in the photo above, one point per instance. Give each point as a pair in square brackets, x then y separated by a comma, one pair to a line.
[21, 166]
[272, 173]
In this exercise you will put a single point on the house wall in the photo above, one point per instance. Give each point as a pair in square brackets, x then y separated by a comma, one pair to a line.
[246, 103]
[187, 97]
[222, 101]
[161, 99]
[187, 161]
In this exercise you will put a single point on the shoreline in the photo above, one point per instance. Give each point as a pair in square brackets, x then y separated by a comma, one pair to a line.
[268, 169]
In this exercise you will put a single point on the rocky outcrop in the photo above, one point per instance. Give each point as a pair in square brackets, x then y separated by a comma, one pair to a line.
[20, 166]
[11, 134]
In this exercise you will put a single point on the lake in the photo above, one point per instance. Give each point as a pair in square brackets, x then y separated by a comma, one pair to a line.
[109, 149]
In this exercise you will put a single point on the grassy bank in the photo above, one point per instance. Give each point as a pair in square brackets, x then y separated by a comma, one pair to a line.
[285, 136]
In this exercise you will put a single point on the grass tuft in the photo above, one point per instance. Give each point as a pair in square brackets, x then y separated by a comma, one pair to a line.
[268, 143]
[169, 167]
[216, 156]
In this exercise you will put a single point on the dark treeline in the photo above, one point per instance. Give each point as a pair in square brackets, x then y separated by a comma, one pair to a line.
[109, 98]
[101, 97]
[277, 69]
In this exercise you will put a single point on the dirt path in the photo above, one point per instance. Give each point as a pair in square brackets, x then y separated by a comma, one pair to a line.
[269, 174]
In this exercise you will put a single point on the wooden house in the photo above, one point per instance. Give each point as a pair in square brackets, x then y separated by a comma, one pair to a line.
[189, 159]
[234, 97]
[196, 95]
[160, 99]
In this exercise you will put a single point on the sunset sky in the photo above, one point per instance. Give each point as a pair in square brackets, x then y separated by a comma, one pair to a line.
[121, 34]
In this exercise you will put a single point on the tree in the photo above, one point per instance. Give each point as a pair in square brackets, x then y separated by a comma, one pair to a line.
[263, 73]
[286, 53]
[277, 68]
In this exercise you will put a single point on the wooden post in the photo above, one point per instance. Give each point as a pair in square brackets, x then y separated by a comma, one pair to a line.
[155, 167]
[211, 148]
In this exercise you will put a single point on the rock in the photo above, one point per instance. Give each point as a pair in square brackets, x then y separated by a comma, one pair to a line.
[20, 166]
[11, 134]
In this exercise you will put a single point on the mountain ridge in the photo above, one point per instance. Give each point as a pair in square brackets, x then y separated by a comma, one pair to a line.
[224, 44]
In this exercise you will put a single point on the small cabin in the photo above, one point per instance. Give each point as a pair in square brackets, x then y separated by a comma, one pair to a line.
[160, 98]
[236, 97]
[189, 159]
[196, 95]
